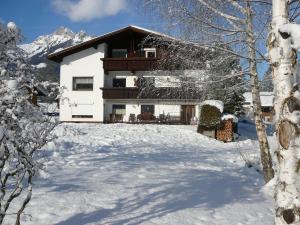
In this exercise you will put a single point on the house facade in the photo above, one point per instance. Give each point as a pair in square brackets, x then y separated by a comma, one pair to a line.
[267, 99]
[102, 79]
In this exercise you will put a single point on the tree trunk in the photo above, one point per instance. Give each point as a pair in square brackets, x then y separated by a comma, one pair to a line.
[287, 106]
[266, 159]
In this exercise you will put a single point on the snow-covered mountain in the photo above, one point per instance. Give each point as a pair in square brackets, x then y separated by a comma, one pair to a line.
[38, 50]
[63, 37]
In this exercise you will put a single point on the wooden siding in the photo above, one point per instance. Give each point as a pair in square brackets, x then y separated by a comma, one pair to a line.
[120, 93]
[129, 64]
[155, 93]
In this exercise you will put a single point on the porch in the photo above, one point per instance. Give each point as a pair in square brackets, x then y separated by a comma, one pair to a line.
[150, 113]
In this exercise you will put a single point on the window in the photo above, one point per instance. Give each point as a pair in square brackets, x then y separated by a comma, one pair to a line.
[150, 52]
[82, 116]
[119, 109]
[266, 109]
[147, 109]
[118, 82]
[83, 83]
[119, 53]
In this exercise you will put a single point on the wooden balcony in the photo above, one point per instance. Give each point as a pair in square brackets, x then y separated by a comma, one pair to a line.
[120, 93]
[154, 93]
[129, 64]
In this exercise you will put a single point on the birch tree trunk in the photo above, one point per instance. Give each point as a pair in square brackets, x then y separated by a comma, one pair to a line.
[266, 159]
[287, 114]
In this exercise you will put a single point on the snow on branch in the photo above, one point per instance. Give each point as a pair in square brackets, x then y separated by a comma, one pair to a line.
[293, 31]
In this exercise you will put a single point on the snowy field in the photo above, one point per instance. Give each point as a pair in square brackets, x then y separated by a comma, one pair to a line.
[146, 174]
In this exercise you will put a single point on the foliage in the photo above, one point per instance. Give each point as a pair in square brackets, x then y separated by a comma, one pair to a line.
[23, 127]
[210, 116]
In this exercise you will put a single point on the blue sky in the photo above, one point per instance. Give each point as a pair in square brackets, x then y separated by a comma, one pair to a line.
[96, 17]
[38, 17]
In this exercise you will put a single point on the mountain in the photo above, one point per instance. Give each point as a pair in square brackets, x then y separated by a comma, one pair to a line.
[38, 50]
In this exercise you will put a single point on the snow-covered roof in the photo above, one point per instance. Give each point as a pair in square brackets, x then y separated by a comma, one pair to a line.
[230, 116]
[265, 97]
[216, 103]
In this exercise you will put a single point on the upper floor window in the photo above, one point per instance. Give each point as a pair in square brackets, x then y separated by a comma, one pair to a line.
[150, 52]
[119, 53]
[83, 83]
[119, 82]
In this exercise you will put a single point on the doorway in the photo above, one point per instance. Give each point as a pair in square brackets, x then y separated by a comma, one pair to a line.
[187, 113]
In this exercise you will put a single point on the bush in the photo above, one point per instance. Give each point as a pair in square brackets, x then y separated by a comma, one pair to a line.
[210, 117]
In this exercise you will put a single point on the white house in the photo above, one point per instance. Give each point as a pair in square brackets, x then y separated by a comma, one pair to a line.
[266, 98]
[101, 81]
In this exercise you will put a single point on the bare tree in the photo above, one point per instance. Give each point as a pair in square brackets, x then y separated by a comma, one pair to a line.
[240, 27]
[191, 72]
[23, 127]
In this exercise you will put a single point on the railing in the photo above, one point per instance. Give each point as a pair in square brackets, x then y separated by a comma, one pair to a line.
[120, 93]
[129, 64]
[152, 93]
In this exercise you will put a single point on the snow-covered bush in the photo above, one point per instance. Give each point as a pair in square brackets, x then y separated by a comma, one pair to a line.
[210, 114]
[23, 127]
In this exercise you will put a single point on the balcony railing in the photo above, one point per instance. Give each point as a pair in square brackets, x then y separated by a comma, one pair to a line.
[154, 93]
[120, 93]
[129, 64]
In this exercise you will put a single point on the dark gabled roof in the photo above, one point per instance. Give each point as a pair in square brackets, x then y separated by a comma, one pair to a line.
[58, 56]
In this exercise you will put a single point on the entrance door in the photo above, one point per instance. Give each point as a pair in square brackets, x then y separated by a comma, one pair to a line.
[187, 113]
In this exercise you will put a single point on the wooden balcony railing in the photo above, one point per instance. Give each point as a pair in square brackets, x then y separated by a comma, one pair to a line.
[120, 93]
[129, 64]
[154, 93]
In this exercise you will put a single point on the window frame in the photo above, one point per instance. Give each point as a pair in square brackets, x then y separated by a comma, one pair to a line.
[76, 89]
[150, 50]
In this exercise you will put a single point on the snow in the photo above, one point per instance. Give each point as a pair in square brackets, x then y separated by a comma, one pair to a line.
[12, 84]
[230, 116]
[40, 66]
[265, 97]
[216, 103]
[62, 37]
[49, 107]
[3, 72]
[11, 26]
[294, 31]
[146, 174]
[1, 132]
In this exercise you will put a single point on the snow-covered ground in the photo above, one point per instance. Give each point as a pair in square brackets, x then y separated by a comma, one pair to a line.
[146, 174]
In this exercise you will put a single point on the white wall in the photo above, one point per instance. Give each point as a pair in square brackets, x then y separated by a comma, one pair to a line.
[85, 63]
[135, 108]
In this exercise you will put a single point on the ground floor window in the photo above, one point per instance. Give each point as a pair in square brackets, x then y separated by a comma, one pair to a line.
[119, 109]
[147, 109]
[266, 109]
[82, 116]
